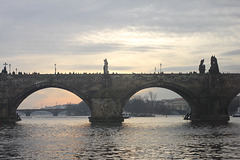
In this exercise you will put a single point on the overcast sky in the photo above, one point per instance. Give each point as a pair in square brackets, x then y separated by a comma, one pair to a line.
[135, 36]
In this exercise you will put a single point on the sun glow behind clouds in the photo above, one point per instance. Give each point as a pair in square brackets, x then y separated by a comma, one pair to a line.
[140, 49]
[128, 49]
[148, 48]
[129, 36]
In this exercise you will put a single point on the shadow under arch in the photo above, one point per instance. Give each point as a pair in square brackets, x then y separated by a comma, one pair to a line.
[36, 87]
[184, 93]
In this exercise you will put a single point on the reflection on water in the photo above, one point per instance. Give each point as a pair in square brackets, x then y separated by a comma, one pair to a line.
[136, 138]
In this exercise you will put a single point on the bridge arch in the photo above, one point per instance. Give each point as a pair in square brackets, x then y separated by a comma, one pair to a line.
[183, 92]
[43, 85]
[233, 103]
[235, 94]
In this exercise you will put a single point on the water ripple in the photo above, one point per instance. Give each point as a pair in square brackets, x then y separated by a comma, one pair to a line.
[136, 138]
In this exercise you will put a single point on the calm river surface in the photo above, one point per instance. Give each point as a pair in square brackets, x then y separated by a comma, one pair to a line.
[137, 138]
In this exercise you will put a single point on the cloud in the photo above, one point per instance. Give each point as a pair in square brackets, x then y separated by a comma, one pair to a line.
[231, 53]
[48, 27]
[121, 68]
[94, 48]
[182, 69]
[230, 68]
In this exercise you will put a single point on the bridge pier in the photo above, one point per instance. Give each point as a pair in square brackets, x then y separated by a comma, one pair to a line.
[7, 115]
[106, 109]
[4, 116]
[211, 109]
[4, 108]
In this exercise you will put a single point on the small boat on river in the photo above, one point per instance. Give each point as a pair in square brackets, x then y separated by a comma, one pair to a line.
[126, 114]
[237, 114]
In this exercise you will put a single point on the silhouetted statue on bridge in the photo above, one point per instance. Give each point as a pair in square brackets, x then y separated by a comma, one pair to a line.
[214, 66]
[4, 71]
[105, 67]
[202, 67]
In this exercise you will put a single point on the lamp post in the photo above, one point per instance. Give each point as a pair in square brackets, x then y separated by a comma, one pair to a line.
[9, 68]
[160, 67]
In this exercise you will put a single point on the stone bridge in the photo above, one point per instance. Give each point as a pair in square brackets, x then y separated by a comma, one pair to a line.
[208, 95]
[28, 112]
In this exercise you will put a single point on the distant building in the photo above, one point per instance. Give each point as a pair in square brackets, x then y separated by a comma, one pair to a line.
[176, 104]
[56, 107]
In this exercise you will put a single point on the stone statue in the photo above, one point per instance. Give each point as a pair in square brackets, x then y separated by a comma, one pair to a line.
[202, 67]
[105, 67]
[4, 71]
[214, 66]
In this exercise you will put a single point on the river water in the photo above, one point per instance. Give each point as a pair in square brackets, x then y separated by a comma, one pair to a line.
[137, 138]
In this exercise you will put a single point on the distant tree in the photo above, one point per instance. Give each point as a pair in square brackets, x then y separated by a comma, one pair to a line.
[80, 109]
[136, 105]
[149, 104]
[150, 99]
